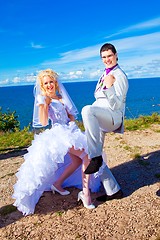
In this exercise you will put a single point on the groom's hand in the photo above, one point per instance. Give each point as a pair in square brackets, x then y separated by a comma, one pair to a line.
[109, 80]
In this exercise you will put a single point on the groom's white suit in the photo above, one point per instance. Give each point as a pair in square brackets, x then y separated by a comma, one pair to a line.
[106, 114]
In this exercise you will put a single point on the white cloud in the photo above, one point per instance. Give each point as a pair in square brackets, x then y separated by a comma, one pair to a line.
[73, 75]
[95, 74]
[31, 78]
[79, 73]
[139, 56]
[37, 46]
[16, 80]
[145, 25]
[132, 51]
[138, 44]
[4, 82]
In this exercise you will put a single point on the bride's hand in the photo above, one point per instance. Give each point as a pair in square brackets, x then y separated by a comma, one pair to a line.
[48, 100]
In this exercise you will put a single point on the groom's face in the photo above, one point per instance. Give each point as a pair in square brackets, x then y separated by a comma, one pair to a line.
[109, 58]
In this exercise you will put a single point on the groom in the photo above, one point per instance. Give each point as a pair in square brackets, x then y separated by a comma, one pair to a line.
[106, 114]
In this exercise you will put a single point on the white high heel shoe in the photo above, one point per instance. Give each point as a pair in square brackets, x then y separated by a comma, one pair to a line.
[54, 189]
[85, 204]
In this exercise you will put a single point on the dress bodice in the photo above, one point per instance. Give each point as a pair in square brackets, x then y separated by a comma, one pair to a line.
[57, 112]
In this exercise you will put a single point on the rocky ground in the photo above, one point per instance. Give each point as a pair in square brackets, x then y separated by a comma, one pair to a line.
[134, 159]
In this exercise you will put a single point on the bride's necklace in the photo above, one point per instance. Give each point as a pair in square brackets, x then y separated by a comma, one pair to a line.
[56, 97]
[53, 97]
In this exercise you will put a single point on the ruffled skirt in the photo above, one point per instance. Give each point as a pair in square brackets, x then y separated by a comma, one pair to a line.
[45, 161]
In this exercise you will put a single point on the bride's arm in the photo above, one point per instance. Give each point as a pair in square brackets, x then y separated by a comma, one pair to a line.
[71, 117]
[43, 103]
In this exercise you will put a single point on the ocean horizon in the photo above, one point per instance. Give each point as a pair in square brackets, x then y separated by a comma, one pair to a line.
[143, 98]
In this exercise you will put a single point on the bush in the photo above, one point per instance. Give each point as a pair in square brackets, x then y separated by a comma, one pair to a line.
[9, 121]
[142, 122]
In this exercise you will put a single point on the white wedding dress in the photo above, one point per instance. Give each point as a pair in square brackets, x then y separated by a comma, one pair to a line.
[47, 158]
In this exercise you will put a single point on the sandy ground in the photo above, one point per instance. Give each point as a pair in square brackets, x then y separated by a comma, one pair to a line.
[136, 216]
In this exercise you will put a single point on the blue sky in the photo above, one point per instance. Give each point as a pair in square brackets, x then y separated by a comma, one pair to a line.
[67, 35]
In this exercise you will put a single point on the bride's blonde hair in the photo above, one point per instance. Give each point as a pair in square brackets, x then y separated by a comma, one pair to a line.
[50, 73]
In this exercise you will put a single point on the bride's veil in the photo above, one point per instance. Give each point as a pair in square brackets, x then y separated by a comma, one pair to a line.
[71, 108]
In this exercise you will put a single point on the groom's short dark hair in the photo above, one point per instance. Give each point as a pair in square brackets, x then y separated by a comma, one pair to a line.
[108, 46]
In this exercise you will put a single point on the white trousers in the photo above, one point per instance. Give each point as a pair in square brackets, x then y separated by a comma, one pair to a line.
[97, 121]
[108, 180]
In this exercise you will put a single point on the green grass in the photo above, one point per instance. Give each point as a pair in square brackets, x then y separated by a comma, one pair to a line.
[15, 140]
[157, 175]
[10, 141]
[7, 209]
[137, 156]
[143, 162]
[59, 213]
[142, 122]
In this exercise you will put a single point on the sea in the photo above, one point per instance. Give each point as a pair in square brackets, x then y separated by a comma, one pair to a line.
[143, 98]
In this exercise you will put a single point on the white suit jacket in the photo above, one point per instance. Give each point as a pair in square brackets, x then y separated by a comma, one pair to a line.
[115, 96]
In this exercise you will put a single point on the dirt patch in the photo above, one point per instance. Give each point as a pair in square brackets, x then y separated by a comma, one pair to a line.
[134, 159]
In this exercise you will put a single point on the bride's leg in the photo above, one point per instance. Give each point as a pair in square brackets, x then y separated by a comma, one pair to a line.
[76, 162]
[85, 177]
[85, 182]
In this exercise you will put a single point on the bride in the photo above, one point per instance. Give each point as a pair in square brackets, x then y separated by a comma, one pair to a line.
[58, 156]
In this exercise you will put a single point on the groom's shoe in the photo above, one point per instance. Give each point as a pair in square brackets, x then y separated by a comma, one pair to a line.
[105, 197]
[94, 165]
